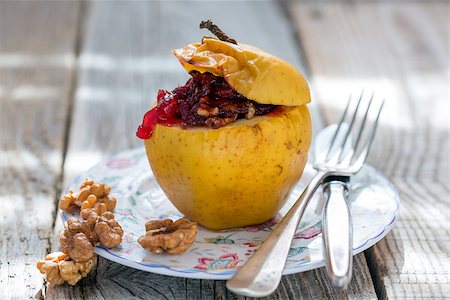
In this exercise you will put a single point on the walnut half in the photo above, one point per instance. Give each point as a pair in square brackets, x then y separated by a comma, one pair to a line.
[167, 236]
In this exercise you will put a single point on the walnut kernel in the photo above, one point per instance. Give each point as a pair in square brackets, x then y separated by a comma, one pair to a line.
[58, 268]
[72, 271]
[167, 236]
[109, 231]
[77, 246]
[80, 236]
[90, 195]
[67, 201]
[50, 267]
[91, 203]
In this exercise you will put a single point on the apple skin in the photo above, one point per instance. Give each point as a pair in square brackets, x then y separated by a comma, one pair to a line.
[234, 176]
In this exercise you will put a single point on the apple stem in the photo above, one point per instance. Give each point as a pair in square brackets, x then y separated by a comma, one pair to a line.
[217, 31]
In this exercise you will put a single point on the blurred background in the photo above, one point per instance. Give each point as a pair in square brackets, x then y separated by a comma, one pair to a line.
[76, 78]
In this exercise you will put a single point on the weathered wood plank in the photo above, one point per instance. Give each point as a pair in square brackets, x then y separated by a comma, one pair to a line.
[114, 281]
[401, 49]
[36, 62]
[119, 76]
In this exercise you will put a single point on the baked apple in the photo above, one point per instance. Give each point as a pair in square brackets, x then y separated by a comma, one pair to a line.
[228, 146]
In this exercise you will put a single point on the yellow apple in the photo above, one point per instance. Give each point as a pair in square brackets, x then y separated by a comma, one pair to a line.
[242, 173]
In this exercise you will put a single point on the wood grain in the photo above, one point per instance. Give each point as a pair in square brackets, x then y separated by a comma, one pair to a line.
[36, 63]
[125, 57]
[401, 50]
[114, 281]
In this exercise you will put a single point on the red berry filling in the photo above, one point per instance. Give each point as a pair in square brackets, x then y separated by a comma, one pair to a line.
[204, 101]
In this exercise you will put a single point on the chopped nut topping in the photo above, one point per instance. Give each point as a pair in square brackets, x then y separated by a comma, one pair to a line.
[250, 113]
[208, 112]
[167, 236]
[219, 122]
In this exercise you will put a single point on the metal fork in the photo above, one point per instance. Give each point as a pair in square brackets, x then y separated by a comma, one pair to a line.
[337, 227]
[262, 273]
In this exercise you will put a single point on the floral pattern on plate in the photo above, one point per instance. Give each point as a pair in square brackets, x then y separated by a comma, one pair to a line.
[217, 254]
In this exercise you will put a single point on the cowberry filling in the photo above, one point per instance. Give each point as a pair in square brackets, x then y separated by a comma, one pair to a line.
[204, 101]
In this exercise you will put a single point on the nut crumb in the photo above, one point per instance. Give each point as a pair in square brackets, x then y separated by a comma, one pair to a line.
[207, 111]
[250, 113]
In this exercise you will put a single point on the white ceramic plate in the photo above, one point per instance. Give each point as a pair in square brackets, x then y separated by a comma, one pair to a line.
[217, 255]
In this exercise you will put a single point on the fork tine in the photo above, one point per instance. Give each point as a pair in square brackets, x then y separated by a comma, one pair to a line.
[361, 128]
[365, 152]
[333, 140]
[349, 130]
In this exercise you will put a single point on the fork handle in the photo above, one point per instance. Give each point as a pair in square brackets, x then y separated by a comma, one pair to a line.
[337, 234]
[262, 273]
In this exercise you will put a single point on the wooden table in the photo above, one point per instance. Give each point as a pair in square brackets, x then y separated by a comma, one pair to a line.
[76, 78]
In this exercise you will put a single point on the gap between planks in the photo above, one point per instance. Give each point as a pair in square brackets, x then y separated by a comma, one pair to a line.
[73, 82]
[59, 186]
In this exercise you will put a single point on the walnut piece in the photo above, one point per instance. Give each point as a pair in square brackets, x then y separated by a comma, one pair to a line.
[169, 237]
[75, 225]
[158, 225]
[50, 267]
[78, 240]
[207, 111]
[109, 231]
[67, 201]
[89, 187]
[91, 203]
[72, 271]
[216, 122]
[80, 236]
[91, 195]
[78, 246]
[58, 268]
[250, 113]
[109, 202]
